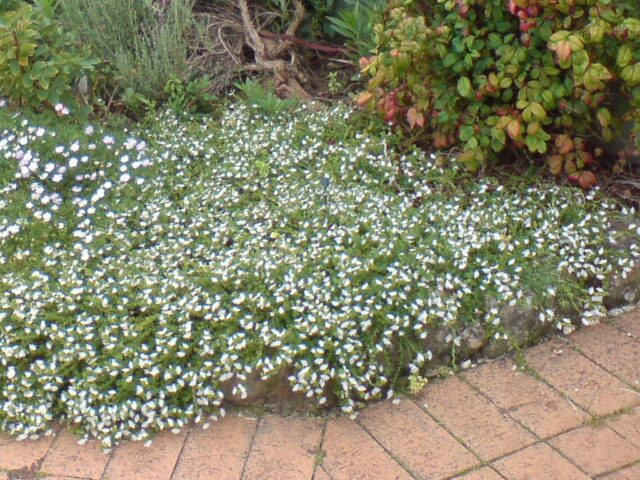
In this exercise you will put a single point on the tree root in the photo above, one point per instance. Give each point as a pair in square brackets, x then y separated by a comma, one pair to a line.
[271, 53]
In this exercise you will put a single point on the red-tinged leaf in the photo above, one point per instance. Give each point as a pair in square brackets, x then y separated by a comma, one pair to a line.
[556, 162]
[440, 140]
[503, 121]
[390, 114]
[585, 159]
[514, 129]
[563, 50]
[412, 116]
[570, 167]
[564, 144]
[587, 180]
[364, 99]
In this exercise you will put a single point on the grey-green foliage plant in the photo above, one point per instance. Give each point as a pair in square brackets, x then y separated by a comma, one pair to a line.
[145, 43]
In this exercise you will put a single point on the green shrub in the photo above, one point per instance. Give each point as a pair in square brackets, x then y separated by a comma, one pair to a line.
[144, 45]
[8, 5]
[262, 98]
[189, 97]
[39, 61]
[355, 22]
[534, 76]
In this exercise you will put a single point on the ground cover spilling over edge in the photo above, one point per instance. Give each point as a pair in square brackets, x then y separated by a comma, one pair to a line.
[145, 278]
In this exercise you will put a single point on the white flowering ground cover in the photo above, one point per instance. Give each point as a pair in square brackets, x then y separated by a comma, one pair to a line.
[139, 273]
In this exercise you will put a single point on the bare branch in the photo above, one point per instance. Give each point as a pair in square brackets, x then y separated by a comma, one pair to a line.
[254, 39]
[298, 17]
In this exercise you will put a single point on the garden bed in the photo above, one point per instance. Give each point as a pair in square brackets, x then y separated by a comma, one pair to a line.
[146, 279]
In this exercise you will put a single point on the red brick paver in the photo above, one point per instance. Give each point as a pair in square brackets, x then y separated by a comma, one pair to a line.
[574, 416]
[321, 474]
[628, 426]
[284, 449]
[587, 384]
[61, 478]
[612, 350]
[474, 420]
[538, 461]
[15, 455]
[597, 450]
[630, 323]
[416, 440]
[536, 405]
[218, 452]
[351, 454]
[630, 473]
[68, 458]
[134, 461]
[485, 473]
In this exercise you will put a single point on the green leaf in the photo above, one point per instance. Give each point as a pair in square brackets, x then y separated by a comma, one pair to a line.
[548, 99]
[27, 81]
[576, 42]
[604, 117]
[560, 35]
[38, 69]
[496, 146]
[532, 143]
[450, 60]
[594, 76]
[464, 87]
[580, 62]
[14, 68]
[597, 30]
[498, 135]
[545, 31]
[625, 55]
[506, 82]
[538, 110]
[542, 146]
[631, 74]
[466, 133]
[630, 25]
[549, 70]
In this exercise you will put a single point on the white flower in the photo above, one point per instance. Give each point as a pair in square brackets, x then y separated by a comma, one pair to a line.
[61, 109]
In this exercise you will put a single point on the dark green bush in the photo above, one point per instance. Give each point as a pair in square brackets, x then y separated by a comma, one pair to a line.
[532, 76]
[354, 21]
[40, 62]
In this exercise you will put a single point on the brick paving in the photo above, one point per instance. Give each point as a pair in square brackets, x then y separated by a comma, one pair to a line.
[569, 409]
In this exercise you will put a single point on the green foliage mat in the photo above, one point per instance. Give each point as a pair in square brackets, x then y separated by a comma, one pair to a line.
[139, 273]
